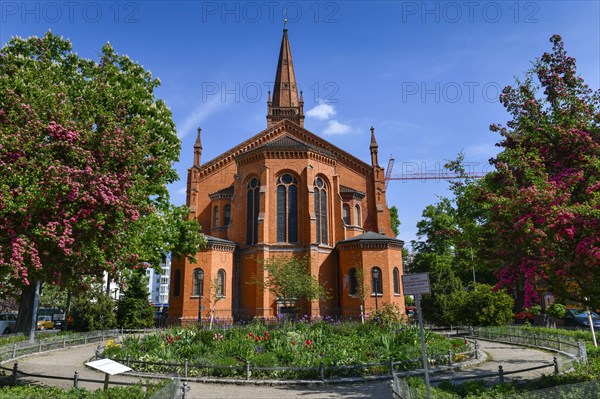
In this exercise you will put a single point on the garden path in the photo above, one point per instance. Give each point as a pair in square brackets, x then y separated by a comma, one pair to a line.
[65, 362]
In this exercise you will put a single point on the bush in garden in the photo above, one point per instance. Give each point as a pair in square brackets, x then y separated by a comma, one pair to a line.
[388, 316]
[482, 306]
[93, 311]
[557, 310]
[134, 310]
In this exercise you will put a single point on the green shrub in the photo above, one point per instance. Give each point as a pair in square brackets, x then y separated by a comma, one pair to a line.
[557, 310]
[388, 316]
[134, 310]
[37, 392]
[482, 306]
[94, 311]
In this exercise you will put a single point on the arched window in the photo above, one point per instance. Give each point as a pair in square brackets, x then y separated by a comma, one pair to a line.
[177, 283]
[252, 209]
[396, 281]
[321, 210]
[376, 283]
[221, 283]
[226, 215]
[346, 214]
[353, 290]
[216, 216]
[287, 208]
[198, 289]
[357, 215]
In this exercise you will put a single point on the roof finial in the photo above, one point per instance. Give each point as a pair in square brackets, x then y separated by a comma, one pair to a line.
[285, 19]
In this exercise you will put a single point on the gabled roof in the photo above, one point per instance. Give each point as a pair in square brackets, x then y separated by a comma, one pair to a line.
[289, 143]
[280, 130]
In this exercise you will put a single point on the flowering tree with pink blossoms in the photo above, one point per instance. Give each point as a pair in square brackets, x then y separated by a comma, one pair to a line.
[544, 197]
[86, 151]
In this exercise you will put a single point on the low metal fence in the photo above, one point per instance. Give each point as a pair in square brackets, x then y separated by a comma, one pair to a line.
[576, 350]
[174, 389]
[24, 348]
[246, 371]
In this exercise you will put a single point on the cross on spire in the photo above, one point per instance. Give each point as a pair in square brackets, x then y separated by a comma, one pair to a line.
[285, 103]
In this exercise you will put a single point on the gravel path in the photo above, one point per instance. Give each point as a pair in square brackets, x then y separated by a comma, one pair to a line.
[65, 362]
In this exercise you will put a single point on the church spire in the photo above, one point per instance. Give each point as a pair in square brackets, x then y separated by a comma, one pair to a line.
[374, 148]
[198, 148]
[285, 103]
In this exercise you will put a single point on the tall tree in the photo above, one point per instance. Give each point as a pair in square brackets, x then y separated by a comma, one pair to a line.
[435, 254]
[544, 196]
[86, 151]
[134, 309]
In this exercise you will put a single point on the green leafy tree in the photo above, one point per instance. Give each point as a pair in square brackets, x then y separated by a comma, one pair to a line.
[86, 152]
[482, 306]
[544, 197]
[435, 255]
[290, 279]
[93, 310]
[395, 220]
[133, 309]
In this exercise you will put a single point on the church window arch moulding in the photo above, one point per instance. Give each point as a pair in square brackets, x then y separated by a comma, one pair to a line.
[287, 208]
[252, 210]
[321, 200]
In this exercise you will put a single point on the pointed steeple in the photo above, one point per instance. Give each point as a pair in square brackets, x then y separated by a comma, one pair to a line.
[374, 148]
[198, 148]
[285, 103]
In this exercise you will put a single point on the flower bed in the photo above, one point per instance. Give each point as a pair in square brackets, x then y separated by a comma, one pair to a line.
[297, 350]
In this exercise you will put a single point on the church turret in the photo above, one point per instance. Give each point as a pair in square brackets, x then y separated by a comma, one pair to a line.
[285, 103]
[197, 149]
[374, 148]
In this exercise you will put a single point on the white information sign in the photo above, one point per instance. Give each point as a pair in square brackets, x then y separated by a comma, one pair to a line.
[108, 366]
[416, 284]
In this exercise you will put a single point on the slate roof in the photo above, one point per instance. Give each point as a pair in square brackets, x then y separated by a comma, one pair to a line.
[370, 236]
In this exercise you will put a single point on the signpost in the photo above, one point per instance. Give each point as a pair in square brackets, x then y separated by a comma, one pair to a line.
[108, 367]
[417, 285]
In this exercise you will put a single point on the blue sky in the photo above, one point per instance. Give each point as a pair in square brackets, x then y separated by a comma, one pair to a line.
[426, 75]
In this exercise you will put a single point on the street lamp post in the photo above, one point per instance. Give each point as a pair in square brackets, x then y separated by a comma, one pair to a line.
[473, 265]
[200, 291]
[376, 278]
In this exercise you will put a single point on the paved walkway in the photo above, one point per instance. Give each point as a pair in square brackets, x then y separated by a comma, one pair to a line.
[65, 362]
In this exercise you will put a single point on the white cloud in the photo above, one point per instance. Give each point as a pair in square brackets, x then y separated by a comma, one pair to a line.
[182, 191]
[336, 127]
[321, 111]
[199, 115]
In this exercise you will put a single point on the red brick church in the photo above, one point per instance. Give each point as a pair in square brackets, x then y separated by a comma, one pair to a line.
[286, 192]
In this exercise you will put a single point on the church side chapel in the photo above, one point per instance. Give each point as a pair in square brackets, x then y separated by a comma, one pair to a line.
[286, 192]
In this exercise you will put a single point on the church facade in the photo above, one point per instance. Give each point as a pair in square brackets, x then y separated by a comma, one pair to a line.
[286, 192]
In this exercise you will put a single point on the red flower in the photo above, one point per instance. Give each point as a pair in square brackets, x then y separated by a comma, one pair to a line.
[307, 342]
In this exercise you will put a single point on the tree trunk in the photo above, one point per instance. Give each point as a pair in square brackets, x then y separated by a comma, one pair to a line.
[26, 309]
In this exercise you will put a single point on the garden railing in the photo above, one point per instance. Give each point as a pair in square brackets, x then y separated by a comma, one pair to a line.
[246, 370]
[575, 350]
